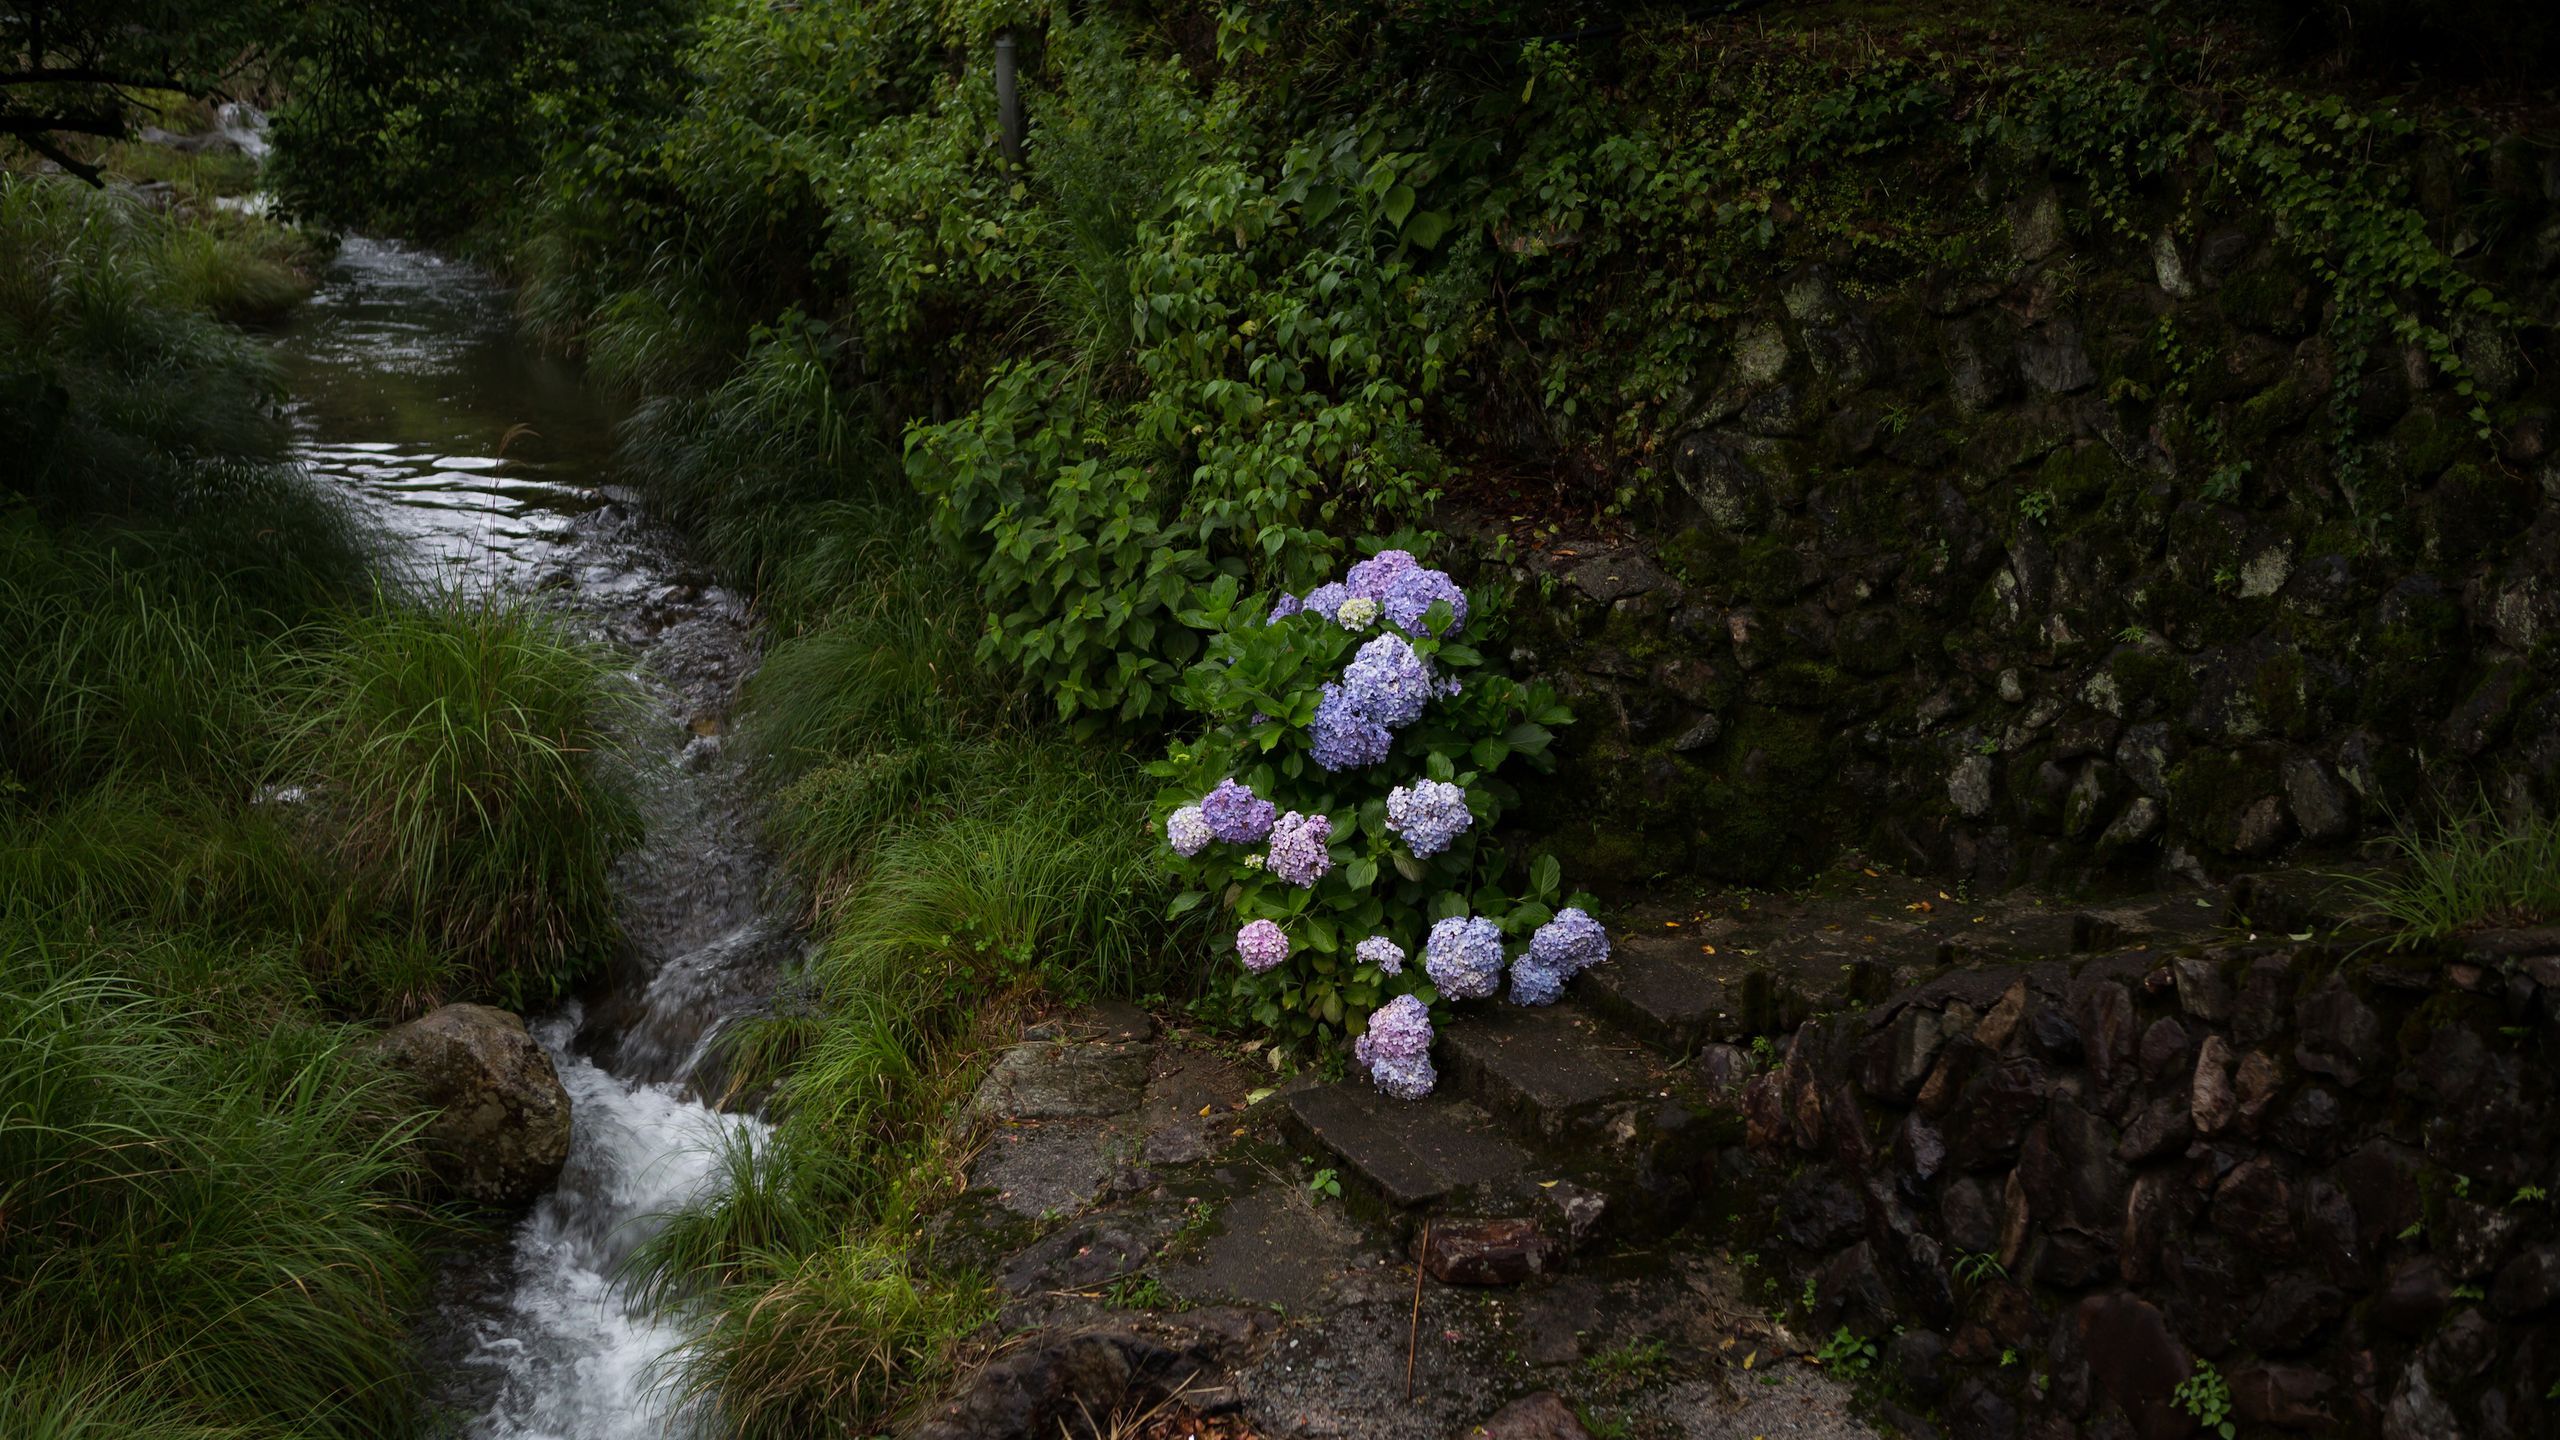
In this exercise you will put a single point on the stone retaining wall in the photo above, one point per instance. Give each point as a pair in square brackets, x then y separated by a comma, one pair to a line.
[2048, 1193]
[1944, 571]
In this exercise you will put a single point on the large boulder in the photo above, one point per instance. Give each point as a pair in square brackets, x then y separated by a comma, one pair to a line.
[501, 1128]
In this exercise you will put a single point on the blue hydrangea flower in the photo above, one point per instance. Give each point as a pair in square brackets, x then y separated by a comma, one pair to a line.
[1464, 957]
[1357, 613]
[1326, 599]
[1297, 848]
[1372, 576]
[1187, 831]
[1261, 944]
[1410, 595]
[1428, 814]
[1345, 737]
[1388, 682]
[1237, 815]
[1382, 952]
[1561, 949]
[1284, 607]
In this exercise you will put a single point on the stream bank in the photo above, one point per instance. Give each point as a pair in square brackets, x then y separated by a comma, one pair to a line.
[490, 466]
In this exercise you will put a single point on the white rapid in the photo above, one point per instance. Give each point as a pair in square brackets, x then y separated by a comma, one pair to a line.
[490, 466]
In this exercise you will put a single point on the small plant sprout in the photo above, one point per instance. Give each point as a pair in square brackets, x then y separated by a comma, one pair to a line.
[1848, 1352]
[1325, 1184]
[2206, 1396]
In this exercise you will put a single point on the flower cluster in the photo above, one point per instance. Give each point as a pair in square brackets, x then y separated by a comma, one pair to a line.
[1261, 945]
[1382, 952]
[1236, 815]
[1561, 949]
[1393, 584]
[1345, 738]
[1388, 682]
[1464, 957]
[1298, 848]
[1428, 814]
[1187, 831]
[1397, 1048]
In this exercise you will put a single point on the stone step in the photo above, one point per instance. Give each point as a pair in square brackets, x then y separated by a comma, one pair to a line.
[1408, 1153]
[1546, 1069]
[1677, 1001]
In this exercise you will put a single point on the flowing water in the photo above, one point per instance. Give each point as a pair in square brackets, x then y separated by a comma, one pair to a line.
[490, 465]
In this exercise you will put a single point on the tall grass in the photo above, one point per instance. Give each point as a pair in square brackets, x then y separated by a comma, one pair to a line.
[2476, 868]
[213, 1215]
[455, 746]
[964, 862]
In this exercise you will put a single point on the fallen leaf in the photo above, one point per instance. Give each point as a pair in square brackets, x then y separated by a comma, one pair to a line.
[1205, 1109]
[1253, 1097]
[1870, 874]
[1670, 924]
[1749, 1360]
[1706, 949]
[1548, 1184]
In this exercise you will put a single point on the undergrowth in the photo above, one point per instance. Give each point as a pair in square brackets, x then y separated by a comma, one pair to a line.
[2476, 868]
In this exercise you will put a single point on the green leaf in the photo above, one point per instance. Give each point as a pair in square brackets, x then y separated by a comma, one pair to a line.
[1545, 876]
[1399, 204]
[1408, 867]
[1427, 229]
[1186, 902]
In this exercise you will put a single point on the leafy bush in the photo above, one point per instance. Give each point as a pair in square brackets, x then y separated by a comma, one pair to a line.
[1343, 733]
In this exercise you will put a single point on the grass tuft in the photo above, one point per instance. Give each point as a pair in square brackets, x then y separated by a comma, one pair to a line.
[2478, 868]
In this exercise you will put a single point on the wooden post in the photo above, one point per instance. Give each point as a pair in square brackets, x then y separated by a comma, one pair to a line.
[1008, 99]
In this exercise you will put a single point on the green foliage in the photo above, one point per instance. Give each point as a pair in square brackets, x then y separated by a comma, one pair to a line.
[2480, 867]
[453, 742]
[2206, 1396]
[209, 1212]
[1257, 690]
[1847, 1352]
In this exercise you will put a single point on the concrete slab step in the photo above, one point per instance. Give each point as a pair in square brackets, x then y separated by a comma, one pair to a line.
[1409, 1153]
[1546, 1069]
[1676, 1001]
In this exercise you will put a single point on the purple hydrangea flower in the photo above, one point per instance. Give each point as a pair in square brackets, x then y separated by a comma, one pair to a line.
[1428, 814]
[1382, 952]
[1561, 949]
[1388, 682]
[1397, 1048]
[1187, 831]
[1326, 599]
[1405, 1079]
[1261, 945]
[1284, 607]
[1464, 957]
[1297, 848]
[1372, 576]
[1346, 738]
[1410, 595]
[1237, 815]
[1399, 1029]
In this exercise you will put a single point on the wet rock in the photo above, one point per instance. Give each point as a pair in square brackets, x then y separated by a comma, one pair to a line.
[2203, 990]
[2481, 1236]
[1542, 1416]
[2136, 1362]
[501, 1129]
[2528, 1284]
[1899, 1058]
[2414, 1295]
[2003, 1020]
[1486, 1252]
[2254, 1206]
[2321, 806]
[2381, 1180]
[2461, 1348]
[1714, 473]
[2254, 1086]
[2104, 1012]
[2416, 1412]
[1920, 1358]
[2210, 1100]
[2138, 824]
[2052, 359]
[1969, 786]
[2329, 1235]
[1992, 1121]
[2309, 1125]
[1043, 1080]
[1817, 1212]
[2287, 1397]
[1978, 1411]
[2156, 1209]
[2339, 1035]
[1970, 1216]
[2293, 1311]
[2166, 1051]
[2159, 1127]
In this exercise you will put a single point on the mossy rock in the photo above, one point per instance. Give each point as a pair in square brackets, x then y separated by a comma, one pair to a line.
[1764, 816]
[2210, 790]
[2268, 295]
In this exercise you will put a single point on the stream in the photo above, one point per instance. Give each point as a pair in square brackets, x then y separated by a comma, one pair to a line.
[490, 466]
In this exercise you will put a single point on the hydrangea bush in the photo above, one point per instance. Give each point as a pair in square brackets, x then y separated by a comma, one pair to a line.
[1333, 817]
